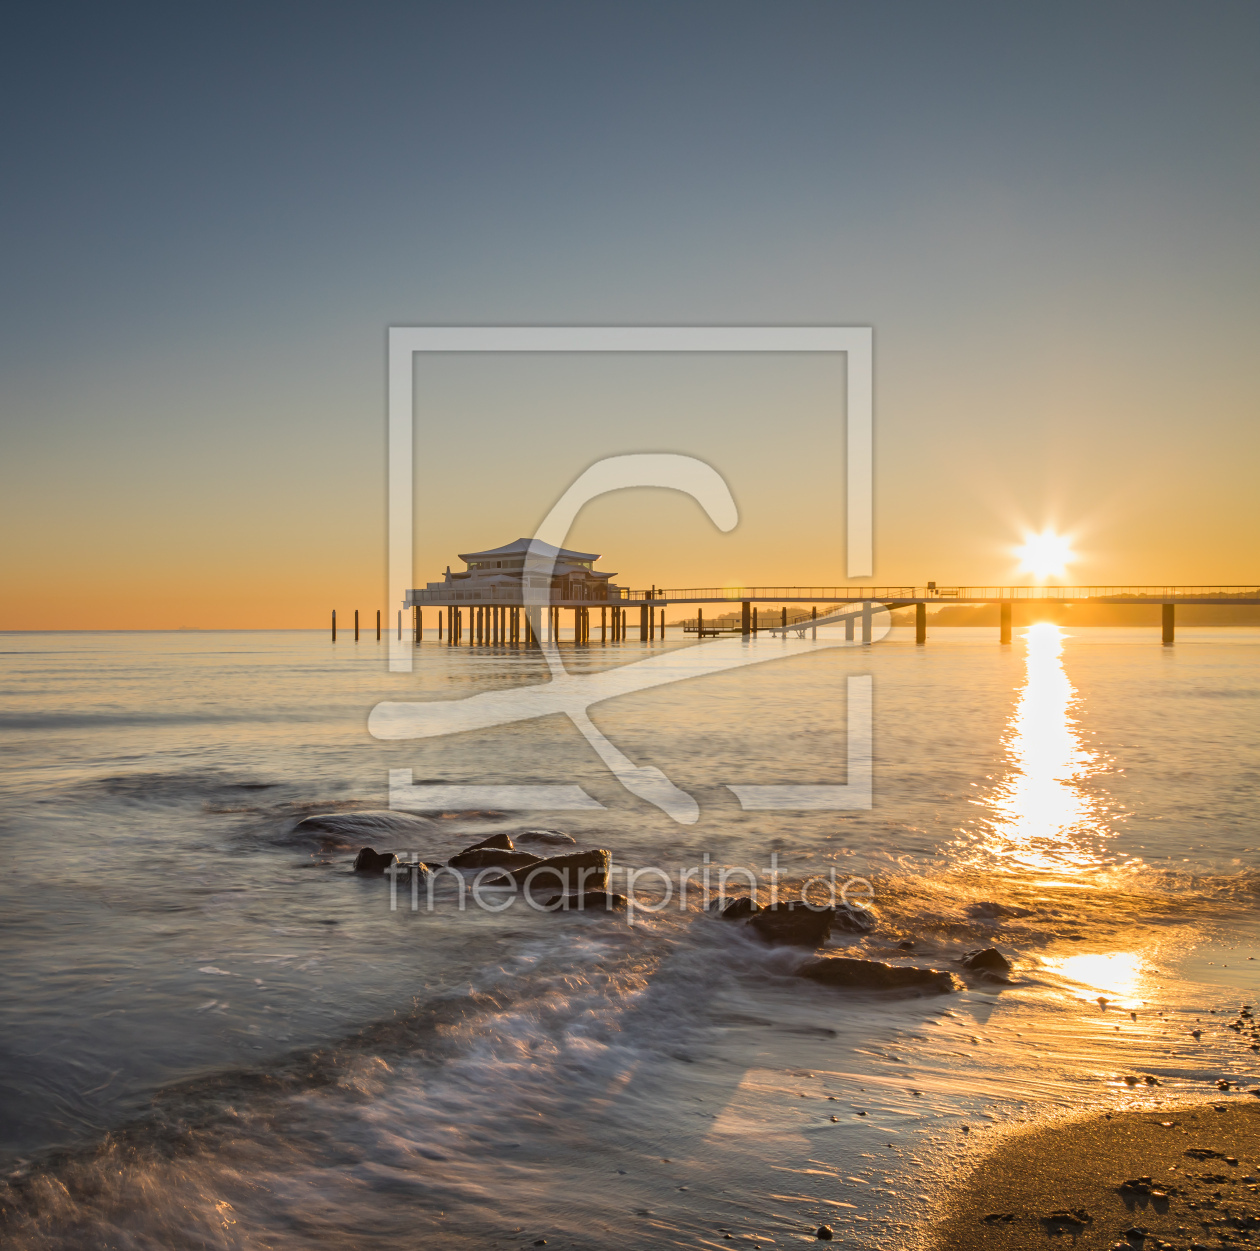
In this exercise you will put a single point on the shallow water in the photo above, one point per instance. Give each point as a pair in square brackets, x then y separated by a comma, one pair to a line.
[216, 1034]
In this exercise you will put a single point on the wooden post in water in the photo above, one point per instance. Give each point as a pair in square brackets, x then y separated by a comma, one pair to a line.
[699, 623]
[920, 624]
[643, 623]
[439, 625]
[813, 616]
[651, 623]
[745, 619]
[754, 628]
[662, 625]
[848, 629]
[785, 620]
[378, 625]
[603, 624]
[1004, 629]
[400, 625]
[866, 623]
[419, 624]
[356, 625]
[1169, 623]
[334, 637]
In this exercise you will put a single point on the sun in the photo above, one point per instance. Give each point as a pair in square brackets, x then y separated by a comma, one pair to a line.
[1045, 555]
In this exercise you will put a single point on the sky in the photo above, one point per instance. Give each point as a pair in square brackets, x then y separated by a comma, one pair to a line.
[1047, 212]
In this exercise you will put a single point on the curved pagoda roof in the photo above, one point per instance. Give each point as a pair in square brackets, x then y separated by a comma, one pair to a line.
[521, 546]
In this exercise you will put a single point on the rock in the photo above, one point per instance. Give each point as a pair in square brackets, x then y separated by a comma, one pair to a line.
[369, 861]
[737, 909]
[502, 841]
[590, 901]
[583, 870]
[1075, 1218]
[851, 920]
[824, 1232]
[545, 836]
[793, 924]
[492, 858]
[349, 828]
[875, 975]
[990, 960]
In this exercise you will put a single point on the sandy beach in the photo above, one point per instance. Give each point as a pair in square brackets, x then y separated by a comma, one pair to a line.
[1177, 1176]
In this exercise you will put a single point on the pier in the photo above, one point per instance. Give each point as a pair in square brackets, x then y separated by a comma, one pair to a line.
[500, 620]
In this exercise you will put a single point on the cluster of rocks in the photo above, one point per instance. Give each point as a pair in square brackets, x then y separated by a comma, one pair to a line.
[799, 924]
[573, 881]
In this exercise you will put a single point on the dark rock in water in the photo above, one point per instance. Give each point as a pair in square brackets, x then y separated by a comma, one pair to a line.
[824, 1232]
[358, 827]
[580, 870]
[793, 924]
[502, 841]
[851, 920]
[989, 911]
[492, 858]
[369, 861]
[875, 975]
[590, 901]
[552, 837]
[990, 960]
[737, 909]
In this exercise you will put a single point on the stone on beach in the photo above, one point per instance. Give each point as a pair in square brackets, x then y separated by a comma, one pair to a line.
[793, 925]
[852, 974]
[990, 960]
[552, 837]
[369, 861]
[491, 858]
[579, 870]
[737, 909]
[588, 901]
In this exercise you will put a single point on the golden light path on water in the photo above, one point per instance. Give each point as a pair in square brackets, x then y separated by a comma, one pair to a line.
[1042, 817]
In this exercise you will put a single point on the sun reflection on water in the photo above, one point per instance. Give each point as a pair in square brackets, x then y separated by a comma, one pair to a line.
[1120, 975]
[1043, 820]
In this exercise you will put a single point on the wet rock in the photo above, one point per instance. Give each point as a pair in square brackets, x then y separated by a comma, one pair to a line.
[874, 975]
[585, 870]
[491, 858]
[588, 901]
[793, 925]
[824, 1232]
[551, 837]
[990, 960]
[850, 920]
[737, 909]
[502, 841]
[350, 828]
[369, 861]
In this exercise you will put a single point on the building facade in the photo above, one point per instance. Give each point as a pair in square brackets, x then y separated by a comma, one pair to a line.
[498, 576]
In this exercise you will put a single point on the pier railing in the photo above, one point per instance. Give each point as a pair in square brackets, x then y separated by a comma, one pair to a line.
[943, 594]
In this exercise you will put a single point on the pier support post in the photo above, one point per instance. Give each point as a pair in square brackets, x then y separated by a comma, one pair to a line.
[603, 624]
[754, 623]
[813, 616]
[1005, 627]
[334, 628]
[651, 612]
[419, 624]
[439, 625]
[662, 625]
[866, 623]
[848, 629]
[920, 623]
[745, 619]
[699, 623]
[784, 620]
[1169, 619]
[643, 623]
[378, 625]
[356, 625]
[400, 625]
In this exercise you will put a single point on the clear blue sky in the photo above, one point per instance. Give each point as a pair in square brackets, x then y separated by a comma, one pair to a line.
[1049, 212]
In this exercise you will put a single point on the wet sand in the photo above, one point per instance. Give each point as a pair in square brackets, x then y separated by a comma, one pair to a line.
[1186, 1176]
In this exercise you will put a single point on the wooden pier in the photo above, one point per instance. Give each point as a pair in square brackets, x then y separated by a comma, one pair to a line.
[503, 624]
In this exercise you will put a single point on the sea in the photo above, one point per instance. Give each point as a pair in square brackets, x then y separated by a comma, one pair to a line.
[217, 1034]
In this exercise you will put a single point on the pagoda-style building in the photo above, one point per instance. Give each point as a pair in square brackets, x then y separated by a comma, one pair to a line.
[496, 577]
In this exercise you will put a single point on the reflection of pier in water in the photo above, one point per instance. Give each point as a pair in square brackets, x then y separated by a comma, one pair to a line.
[624, 612]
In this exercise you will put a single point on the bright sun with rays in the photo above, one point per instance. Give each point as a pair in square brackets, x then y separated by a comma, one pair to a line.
[1045, 555]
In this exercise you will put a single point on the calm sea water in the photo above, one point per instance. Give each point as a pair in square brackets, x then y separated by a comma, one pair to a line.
[215, 1034]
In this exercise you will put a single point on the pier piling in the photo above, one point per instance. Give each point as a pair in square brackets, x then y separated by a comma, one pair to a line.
[334, 625]
[866, 623]
[920, 623]
[643, 624]
[378, 624]
[813, 616]
[745, 619]
[1169, 623]
[356, 625]
[1005, 628]
[848, 629]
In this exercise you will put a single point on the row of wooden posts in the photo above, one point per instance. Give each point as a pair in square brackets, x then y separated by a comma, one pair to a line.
[494, 625]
